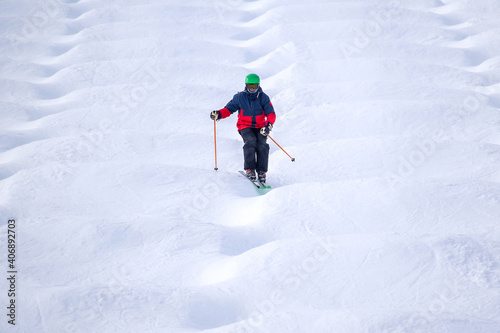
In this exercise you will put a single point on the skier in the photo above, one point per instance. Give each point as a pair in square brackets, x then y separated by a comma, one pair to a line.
[255, 120]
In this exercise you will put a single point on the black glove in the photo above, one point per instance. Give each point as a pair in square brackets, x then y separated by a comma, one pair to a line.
[265, 130]
[214, 115]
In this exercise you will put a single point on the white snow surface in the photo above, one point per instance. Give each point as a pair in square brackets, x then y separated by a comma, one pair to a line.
[388, 220]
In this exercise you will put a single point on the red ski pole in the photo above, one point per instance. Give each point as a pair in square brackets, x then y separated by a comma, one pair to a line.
[293, 159]
[215, 144]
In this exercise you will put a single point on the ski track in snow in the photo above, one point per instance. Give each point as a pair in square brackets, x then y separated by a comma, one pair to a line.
[386, 222]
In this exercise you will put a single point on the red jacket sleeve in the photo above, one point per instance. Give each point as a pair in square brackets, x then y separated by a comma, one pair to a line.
[269, 110]
[271, 118]
[224, 113]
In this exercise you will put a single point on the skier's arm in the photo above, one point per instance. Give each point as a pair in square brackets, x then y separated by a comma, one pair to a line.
[231, 107]
[269, 110]
[271, 118]
[224, 113]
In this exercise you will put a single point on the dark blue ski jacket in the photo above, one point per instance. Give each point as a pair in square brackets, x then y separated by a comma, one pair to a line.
[255, 110]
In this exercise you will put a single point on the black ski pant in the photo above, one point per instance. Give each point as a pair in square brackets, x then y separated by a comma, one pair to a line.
[255, 149]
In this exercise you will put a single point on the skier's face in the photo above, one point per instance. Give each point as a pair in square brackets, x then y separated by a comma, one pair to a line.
[252, 87]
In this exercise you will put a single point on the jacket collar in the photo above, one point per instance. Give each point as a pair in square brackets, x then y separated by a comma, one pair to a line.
[254, 95]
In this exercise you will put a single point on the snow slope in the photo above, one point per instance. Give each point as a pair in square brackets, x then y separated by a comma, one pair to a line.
[387, 221]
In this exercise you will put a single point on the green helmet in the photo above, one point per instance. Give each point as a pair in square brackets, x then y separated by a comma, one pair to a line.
[252, 79]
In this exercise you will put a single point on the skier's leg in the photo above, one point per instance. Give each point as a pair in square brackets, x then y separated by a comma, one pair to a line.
[249, 148]
[262, 153]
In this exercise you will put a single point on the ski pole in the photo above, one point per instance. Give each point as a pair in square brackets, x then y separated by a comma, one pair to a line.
[293, 159]
[215, 145]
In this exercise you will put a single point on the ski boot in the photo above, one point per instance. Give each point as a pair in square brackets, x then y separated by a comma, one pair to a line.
[251, 175]
[262, 177]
